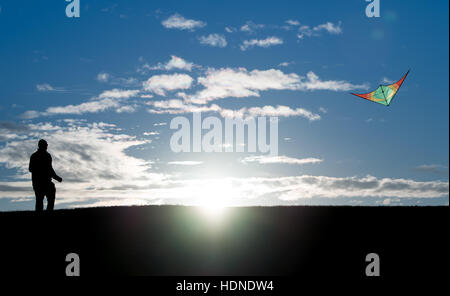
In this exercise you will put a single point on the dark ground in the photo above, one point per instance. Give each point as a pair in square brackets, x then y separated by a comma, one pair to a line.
[325, 242]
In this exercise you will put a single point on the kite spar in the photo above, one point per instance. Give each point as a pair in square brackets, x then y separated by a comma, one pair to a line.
[384, 94]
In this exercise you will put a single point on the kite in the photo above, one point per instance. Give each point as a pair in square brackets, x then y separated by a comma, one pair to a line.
[384, 94]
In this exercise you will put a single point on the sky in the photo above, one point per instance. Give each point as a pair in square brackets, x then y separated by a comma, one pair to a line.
[103, 88]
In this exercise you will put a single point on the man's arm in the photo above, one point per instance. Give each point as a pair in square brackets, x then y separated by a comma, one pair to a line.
[31, 166]
[54, 175]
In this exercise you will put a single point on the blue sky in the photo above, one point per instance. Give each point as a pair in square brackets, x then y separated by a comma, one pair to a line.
[103, 88]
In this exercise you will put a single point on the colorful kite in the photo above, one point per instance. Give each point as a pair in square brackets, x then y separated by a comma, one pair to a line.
[384, 93]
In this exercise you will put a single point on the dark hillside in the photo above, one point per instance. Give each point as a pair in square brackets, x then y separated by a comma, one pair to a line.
[174, 240]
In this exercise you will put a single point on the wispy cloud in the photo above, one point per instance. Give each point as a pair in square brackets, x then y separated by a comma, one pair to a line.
[228, 82]
[105, 171]
[118, 94]
[175, 106]
[95, 149]
[215, 40]
[329, 27]
[11, 131]
[159, 84]
[313, 82]
[103, 77]
[106, 100]
[284, 64]
[240, 83]
[44, 87]
[269, 41]
[282, 111]
[292, 22]
[386, 80]
[433, 168]
[126, 109]
[179, 107]
[175, 62]
[250, 27]
[331, 187]
[264, 159]
[185, 162]
[230, 29]
[177, 21]
[87, 107]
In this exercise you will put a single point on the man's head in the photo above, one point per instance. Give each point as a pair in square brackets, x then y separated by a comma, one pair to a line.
[42, 145]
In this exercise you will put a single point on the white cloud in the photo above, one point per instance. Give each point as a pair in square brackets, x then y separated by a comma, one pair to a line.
[304, 31]
[177, 21]
[314, 83]
[106, 100]
[290, 190]
[88, 156]
[215, 40]
[240, 83]
[103, 77]
[178, 63]
[269, 41]
[30, 114]
[97, 170]
[151, 133]
[329, 27]
[433, 168]
[293, 22]
[174, 63]
[323, 110]
[284, 64]
[227, 82]
[331, 187]
[264, 159]
[129, 81]
[230, 29]
[186, 162]
[386, 80]
[87, 107]
[118, 94]
[44, 87]
[159, 84]
[179, 107]
[282, 111]
[126, 109]
[146, 96]
[250, 27]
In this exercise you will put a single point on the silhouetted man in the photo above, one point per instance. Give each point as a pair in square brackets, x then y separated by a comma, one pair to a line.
[41, 174]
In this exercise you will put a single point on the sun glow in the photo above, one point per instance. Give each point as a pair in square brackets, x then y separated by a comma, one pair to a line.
[214, 197]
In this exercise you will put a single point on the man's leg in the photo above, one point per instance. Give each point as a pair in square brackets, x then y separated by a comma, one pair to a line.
[51, 197]
[39, 200]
